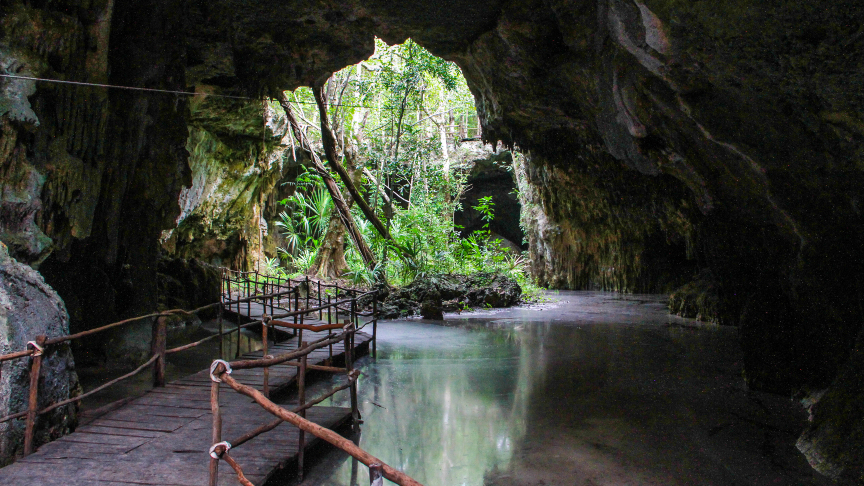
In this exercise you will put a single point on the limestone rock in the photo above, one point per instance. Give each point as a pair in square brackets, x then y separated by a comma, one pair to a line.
[187, 284]
[28, 308]
[698, 299]
[834, 441]
[431, 307]
[491, 174]
[432, 295]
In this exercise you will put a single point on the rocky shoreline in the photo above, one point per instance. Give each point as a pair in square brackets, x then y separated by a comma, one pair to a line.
[431, 296]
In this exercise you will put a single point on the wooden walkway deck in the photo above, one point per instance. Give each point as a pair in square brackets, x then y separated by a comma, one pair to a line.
[162, 437]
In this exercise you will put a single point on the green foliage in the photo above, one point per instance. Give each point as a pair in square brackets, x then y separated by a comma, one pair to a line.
[394, 109]
[304, 220]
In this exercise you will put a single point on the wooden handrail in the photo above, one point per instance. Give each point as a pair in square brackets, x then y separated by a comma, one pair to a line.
[323, 433]
[159, 351]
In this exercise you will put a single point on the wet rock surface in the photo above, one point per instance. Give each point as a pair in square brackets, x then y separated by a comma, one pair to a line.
[698, 299]
[29, 308]
[431, 296]
[834, 440]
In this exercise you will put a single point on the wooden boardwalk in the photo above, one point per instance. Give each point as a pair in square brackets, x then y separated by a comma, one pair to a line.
[162, 437]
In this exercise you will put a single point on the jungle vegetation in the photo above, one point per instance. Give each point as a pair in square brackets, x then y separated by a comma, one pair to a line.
[395, 123]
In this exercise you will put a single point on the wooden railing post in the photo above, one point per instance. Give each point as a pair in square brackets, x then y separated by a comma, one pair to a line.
[248, 295]
[329, 333]
[221, 332]
[355, 466]
[265, 322]
[296, 305]
[320, 302]
[375, 326]
[239, 328]
[355, 321]
[300, 333]
[301, 400]
[273, 290]
[33, 402]
[157, 348]
[217, 429]
[349, 366]
[308, 292]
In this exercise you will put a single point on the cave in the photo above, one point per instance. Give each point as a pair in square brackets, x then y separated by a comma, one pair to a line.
[661, 141]
[492, 176]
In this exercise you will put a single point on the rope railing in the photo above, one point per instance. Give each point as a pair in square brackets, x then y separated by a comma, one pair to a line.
[267, 292]
[302, 297]
[220, 373]
[37, 348]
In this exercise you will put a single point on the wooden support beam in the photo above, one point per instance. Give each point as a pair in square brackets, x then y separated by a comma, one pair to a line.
[157, 348]
[33, 402]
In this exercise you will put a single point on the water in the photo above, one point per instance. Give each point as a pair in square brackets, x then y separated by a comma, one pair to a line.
[597, 389]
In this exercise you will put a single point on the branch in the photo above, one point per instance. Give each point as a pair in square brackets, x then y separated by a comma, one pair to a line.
[329, 142]
[332, 188]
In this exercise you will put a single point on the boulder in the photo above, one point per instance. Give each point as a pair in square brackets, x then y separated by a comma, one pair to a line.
[187, 284]
[431, 295]
[834, 441]
[431, 307]
[29, 308]
[699, 299]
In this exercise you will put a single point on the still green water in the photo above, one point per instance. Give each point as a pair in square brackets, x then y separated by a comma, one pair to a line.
[595, 389]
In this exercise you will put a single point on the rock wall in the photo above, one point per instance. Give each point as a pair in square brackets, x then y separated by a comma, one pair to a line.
[99, 170]
[834, 440]
[607, 230]
[239, 158]
[29, 308]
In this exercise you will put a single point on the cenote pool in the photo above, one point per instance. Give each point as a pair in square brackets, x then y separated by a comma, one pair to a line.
[594, 389]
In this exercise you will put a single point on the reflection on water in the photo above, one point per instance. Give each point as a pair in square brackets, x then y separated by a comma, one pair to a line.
[441, 401]
[597, 389]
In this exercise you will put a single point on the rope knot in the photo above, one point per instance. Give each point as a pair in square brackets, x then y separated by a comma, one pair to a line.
[217, 450]
[215, 365]
[37, 350]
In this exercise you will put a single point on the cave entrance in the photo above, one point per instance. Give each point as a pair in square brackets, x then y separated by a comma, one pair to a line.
[406, 138]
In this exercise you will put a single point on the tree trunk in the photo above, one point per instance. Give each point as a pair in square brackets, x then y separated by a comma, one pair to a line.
[330, 260]
[329, 141]
[338, 201]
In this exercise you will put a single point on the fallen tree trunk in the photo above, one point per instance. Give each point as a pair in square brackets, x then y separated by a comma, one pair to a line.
[338, 201]
[329, 141]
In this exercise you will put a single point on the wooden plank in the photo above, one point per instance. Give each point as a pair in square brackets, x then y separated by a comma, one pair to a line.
[63, 448]
[134, 416]
[193, 406]
[168, 408]
[118, 440]
[135, 425]
[100, 430]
